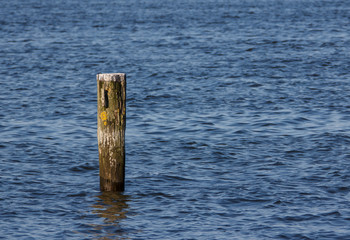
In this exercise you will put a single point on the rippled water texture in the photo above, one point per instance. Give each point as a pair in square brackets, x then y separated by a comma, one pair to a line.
[237, 119]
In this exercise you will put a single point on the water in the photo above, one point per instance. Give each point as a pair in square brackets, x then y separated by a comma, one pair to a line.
[237, 119]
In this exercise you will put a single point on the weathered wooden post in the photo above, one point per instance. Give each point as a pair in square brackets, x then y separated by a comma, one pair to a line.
[111, 107]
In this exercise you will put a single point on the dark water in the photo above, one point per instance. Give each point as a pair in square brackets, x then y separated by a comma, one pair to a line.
[238, 119]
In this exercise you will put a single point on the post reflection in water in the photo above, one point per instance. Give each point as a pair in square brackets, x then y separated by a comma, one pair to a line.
[112, 208]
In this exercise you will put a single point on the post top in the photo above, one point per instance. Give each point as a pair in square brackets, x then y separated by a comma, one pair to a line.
[111, 77]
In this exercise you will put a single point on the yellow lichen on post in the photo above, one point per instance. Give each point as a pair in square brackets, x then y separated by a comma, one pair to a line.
[111, 122]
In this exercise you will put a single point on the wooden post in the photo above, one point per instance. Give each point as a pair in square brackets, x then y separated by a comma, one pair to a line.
[111, 107]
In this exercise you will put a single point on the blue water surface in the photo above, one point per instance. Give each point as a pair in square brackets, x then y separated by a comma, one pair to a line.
[238, 119]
